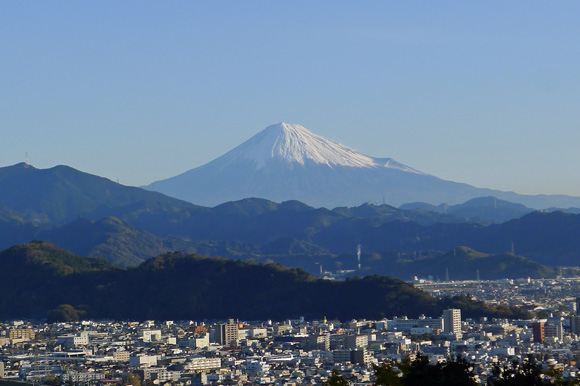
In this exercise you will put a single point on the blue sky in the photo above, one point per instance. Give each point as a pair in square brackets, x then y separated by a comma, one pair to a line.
[486, 93]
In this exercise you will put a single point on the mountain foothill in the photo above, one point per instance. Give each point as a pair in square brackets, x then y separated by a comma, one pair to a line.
[41, 280]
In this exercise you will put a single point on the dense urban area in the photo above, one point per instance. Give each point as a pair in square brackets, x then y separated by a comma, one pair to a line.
[294, 352]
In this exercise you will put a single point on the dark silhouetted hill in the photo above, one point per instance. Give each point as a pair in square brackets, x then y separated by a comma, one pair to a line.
[39, 279]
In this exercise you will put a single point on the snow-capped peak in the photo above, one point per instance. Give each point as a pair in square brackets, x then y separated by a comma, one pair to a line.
[295, 144]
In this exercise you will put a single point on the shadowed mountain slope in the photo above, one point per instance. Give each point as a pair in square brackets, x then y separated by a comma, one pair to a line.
[185, 286]
[61, 194]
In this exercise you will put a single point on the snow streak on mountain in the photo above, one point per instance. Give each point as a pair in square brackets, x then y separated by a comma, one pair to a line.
[288, 162]
[296, 144]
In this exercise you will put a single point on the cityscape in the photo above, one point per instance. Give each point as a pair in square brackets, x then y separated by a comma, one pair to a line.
[244, 193]
[299, 351]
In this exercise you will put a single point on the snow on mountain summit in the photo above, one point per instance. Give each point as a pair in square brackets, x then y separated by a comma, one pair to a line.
[288, 162]
[294, 143]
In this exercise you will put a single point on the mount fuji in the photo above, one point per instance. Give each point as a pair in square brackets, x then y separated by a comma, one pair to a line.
[288, 162]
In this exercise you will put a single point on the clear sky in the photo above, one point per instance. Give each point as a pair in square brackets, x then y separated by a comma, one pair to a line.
[486, 93]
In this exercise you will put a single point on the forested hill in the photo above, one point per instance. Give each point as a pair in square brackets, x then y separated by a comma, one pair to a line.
[39, 279]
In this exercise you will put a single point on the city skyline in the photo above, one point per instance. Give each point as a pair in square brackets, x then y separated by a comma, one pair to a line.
[475, 93]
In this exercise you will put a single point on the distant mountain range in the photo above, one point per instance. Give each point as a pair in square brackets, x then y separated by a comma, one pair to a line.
[40, 280]
[288, 162]
[93, 216]
[61, 194]
[489, 209]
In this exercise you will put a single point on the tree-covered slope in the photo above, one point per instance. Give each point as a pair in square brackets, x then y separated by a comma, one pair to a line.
[35, 276]
[464, 263]
[111, 238]
[41, 279]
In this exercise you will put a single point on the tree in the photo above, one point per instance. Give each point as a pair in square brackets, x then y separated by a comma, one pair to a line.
[528, 373]
[336, 379]
[456, 372]
[388, 375]
[558, 380]
[52, 380]
[452, 372]
[64, 313]
[133, 379]
[420, 372]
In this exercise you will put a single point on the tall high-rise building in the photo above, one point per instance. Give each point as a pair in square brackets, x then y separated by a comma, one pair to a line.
[538, 332]
[357, 341]
[452, 321]
[227, 333]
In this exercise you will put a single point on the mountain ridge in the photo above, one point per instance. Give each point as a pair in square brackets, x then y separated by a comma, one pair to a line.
[130, 225]
[62, 193]
[485, 208]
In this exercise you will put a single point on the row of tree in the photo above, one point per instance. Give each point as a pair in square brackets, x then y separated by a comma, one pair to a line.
[459, 372]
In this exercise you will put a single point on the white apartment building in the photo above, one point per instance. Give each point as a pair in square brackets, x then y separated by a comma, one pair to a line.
[202, 363]
[142, 360]
[452, 321]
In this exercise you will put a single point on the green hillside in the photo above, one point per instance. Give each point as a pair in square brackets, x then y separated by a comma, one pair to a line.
[464, 263]
[40, 279]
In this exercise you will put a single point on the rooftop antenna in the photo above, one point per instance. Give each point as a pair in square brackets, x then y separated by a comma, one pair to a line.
[358, 256]
[26, 164]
